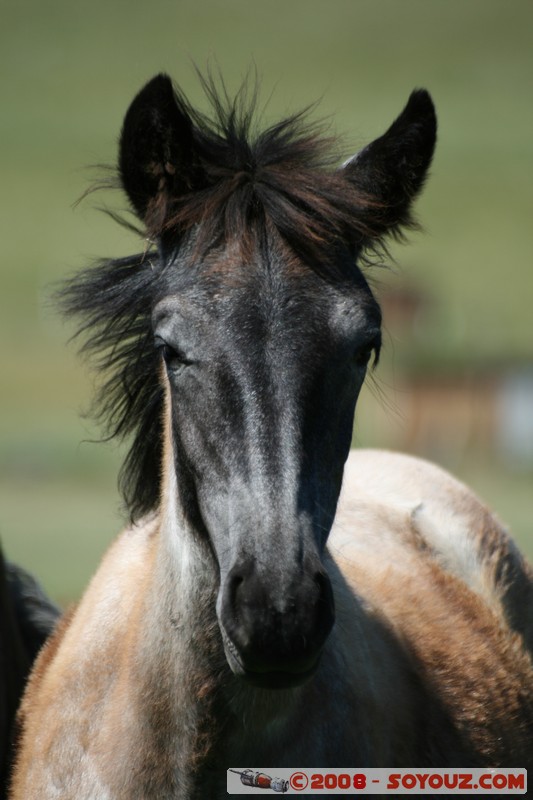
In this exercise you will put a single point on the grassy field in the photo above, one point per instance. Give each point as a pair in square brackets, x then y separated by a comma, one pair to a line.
[68, 72]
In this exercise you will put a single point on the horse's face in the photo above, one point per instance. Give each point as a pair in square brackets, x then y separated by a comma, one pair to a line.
[263, 354]
[263, 362]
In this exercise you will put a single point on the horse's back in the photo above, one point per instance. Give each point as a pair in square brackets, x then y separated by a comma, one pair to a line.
[429, 560]
[425, 509]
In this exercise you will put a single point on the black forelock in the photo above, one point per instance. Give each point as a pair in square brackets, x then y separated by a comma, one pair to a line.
[287, 176]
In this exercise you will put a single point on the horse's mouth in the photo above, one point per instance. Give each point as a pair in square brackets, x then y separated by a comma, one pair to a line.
[278, 679]
[265, 677]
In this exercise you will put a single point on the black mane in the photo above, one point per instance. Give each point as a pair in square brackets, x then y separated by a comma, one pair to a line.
[286, 178]
[114, 300]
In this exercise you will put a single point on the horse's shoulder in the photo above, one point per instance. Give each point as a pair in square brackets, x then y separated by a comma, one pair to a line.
[77, 668]
[115, 589]
[42, 663]
[97, 621]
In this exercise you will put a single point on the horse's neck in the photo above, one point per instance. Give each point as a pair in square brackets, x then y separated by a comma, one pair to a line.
[181, 657]
[188, 700]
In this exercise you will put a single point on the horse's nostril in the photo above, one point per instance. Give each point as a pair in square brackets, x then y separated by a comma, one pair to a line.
[233, 585]
[321, 579]
[324, 606]
[235, 582]
[324, 587]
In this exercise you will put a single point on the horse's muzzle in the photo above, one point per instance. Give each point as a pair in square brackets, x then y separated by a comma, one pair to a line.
[273, 634]
[266, 677]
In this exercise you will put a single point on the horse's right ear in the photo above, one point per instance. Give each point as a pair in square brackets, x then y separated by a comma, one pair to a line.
[156, 154]
[390, 172]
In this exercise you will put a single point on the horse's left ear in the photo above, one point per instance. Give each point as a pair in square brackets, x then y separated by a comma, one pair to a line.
[390, 171]
[157, 160]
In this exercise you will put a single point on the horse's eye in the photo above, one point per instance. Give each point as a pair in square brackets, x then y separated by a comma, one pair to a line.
[365, 352]
[174, 360]
[363, 356]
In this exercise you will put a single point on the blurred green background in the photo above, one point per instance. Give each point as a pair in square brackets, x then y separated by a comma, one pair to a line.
[458, 303]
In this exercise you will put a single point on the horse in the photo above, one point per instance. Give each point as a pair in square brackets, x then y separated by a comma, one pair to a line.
[27, 620]
[246, 615]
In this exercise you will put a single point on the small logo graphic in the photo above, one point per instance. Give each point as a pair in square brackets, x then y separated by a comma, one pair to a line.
[262, 781]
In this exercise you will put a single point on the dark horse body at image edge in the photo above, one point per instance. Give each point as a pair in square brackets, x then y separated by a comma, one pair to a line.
[247, 615]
